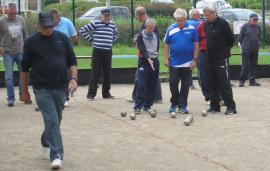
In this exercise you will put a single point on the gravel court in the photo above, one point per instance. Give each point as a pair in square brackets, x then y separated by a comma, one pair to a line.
[96, 137]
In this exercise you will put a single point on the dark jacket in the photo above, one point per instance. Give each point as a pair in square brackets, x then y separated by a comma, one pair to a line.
[219, 38]
[249, 37]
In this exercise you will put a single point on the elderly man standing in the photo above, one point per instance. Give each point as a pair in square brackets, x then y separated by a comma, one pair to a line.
[48, 54]
[249, 39]
[12, 35]
[104, 34]
[182, 41]
[220, 40]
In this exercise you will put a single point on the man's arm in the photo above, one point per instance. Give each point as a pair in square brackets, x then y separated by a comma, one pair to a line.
[25, 96]
[195, 55]
[74, 39]
[166, 54]
[85, 29]
[73, 83]
[228, 34]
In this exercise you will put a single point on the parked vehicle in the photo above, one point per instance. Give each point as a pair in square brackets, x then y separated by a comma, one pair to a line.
[116, 12]
[217, 4]
[237, 14]
[163, 1]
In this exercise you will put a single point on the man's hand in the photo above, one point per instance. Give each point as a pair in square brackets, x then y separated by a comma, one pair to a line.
[135, 38]
[151, 63]
[193, 64]
[2, 51]
[25, 97]
[166, 62]
[73, 85]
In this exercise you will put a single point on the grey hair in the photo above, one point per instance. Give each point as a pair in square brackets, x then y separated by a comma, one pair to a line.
[140, 10]
[12, 5]
[194, 11]
[54, 11]
[210, 9]
[150, 21]
[180, 13]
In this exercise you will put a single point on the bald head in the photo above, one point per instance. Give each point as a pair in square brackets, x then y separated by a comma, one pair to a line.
[140, 13]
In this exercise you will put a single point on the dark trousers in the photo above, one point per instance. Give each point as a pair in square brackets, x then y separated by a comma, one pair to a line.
[146, 86]
[218, 82]
[158, 92]
[202, 75]
[176, 74]
[101, 60]
[249, 64]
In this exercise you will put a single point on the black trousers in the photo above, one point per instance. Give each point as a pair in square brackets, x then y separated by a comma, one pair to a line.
[218, 82]
[101, 61]
[249, 64]
[176, 74]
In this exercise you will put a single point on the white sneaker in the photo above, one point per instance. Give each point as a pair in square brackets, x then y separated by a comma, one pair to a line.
[56, 164]
[46, 152]
[66, 104]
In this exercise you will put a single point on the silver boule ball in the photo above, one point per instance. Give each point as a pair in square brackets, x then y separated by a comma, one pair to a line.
[153, 113]
[204, 113]
[123, 113]
[173, 115]
[132, 116]
[188, 120]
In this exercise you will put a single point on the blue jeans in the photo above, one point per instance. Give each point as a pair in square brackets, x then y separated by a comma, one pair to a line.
[51, 105]
[202, 75]
[9, 60]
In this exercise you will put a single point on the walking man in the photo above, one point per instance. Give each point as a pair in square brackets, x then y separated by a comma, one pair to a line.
[104, 34]
[249, 39]
[12, 35]
[48, 54]
[220, 40]
[182, 41]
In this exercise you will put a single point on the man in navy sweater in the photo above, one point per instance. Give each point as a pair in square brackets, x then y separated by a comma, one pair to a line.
[47, 55]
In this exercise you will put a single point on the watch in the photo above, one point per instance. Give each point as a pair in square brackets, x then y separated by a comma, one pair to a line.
[73, 78]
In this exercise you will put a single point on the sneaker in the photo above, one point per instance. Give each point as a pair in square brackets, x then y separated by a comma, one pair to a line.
[254, 83]
[211, 110]
[89, 97]
[146, 109]
[66, 104]
[241, 83]
[230, 111]
[130, 99]
[183, 110]
[56, 164]
[192, 87]
[46, 152]
[108, 97]
[207, 102]
[137, 111]
[172, 109]
[10, 103]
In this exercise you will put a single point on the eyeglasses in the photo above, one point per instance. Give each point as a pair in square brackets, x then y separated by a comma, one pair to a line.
[48, 27]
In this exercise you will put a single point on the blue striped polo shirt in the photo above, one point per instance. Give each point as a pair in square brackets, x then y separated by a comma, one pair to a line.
[181, 43]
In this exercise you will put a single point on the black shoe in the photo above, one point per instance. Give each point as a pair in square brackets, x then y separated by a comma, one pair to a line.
[90, 97]
[146, 109]
[254, 83]
[108, 97]
[10, 104]
[241, 83]
[211, 110]
[230, 111]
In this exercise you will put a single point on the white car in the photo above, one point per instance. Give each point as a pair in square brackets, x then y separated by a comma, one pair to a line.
[217, 4]
[163, 1]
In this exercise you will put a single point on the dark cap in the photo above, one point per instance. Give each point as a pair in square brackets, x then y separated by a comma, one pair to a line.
[105, 11]
[45, 19]
[253, 15]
